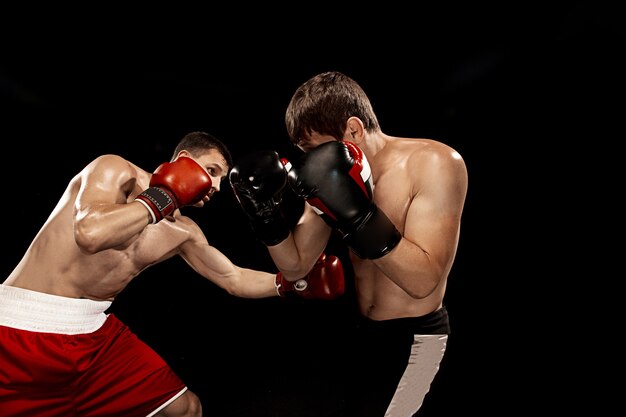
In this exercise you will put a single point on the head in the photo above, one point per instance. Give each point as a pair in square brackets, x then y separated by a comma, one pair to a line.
[210, 153]
[329, 106]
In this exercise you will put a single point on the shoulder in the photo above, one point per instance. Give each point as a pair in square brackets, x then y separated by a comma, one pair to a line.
[110, 165]
[432, 154]
[429, 150]
[109, 160]
[432, 162]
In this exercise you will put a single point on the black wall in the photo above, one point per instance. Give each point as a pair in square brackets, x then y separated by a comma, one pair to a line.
[512, 90]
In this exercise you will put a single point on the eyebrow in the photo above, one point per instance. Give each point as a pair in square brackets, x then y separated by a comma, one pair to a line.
[218, 167]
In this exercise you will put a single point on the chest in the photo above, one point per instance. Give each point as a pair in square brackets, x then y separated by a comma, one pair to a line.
[154, 243]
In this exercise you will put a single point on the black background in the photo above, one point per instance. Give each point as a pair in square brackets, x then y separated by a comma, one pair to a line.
[524, 94]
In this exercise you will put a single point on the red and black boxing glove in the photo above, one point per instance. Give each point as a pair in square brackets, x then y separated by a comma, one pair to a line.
[335, 178]
[182, 182]
[325, 281]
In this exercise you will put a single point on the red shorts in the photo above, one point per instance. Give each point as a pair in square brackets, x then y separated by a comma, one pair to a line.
[51, 367]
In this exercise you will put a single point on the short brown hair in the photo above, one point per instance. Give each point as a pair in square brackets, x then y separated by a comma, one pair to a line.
[324, 103]
[197, 143]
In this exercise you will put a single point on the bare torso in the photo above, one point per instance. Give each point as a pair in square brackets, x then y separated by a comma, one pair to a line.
[398, 183]
[55, 264]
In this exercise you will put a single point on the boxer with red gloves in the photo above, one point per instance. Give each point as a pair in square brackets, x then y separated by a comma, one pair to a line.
[53, 305]
[182, 182]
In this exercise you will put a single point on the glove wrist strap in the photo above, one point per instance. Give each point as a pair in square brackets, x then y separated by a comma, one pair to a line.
[374, 237]
[158, 201]
[287, 288]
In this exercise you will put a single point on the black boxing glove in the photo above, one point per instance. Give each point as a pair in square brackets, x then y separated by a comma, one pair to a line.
[258, 181]
[335, 178]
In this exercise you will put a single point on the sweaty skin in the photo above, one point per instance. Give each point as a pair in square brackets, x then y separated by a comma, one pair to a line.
[421, 185]
[98, 238]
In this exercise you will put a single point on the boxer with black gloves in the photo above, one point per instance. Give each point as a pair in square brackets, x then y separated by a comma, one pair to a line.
[397, 202]
[258, 180]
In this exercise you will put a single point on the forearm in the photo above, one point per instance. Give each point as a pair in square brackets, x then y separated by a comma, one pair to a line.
[213, 265]
[244, 282]
[101, 227]
[255, 284]
[411, 268]
[295, 256]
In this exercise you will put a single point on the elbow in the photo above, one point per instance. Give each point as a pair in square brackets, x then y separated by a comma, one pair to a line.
[421, 293]
[430, 280]
[235, 286]
[424, 290]
[235, 292]
[87, 237]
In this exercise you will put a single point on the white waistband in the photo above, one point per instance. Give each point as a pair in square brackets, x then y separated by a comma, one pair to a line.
[46, 313]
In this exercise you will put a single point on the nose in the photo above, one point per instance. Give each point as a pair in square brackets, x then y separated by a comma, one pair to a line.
[216, 184]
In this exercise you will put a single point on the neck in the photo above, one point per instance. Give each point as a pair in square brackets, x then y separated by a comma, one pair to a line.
[373, 143]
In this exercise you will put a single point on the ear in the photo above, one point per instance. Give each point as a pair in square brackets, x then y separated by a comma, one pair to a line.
[183, 152]
[355, 131]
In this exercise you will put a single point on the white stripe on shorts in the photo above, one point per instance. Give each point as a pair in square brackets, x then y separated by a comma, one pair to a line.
[426, 354]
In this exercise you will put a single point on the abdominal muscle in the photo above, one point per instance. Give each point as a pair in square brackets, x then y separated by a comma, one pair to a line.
[71, 274]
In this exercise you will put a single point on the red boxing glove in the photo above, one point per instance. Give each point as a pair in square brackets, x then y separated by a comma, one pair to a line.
[182, 182]
[324, 281]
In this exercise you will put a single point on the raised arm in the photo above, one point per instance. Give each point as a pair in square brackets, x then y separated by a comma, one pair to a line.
[297, 254]
[431, 230]
[102, 217]
[259, 180]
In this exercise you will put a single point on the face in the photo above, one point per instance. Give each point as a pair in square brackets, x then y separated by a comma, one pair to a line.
[313, 140]
[215, 165]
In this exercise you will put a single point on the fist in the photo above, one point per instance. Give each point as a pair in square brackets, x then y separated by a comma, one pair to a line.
[182, 182]
[185, 178]
[325, 281]
[257, 181]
